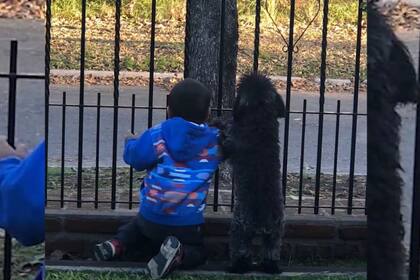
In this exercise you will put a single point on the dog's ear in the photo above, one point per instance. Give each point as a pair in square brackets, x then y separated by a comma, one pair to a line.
[281, 109]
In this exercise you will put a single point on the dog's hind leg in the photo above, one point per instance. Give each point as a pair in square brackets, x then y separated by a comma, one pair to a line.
[240, 248]
[272, 250]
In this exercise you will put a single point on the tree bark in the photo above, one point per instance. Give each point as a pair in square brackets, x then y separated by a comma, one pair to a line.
[202, 46]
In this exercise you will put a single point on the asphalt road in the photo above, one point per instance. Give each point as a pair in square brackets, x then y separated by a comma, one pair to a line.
[141, 94]
[30, 94]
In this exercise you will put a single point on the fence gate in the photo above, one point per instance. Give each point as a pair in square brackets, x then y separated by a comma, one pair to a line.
[12, 77]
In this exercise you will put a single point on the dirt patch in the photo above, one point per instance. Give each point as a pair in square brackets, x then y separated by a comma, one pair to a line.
[23, 9]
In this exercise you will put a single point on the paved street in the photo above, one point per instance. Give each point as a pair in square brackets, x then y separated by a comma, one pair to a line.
[30, 94]
[158, 115]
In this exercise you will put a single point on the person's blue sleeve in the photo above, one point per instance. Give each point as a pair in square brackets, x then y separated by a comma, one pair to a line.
[22, 197]
[41, 273]
[140, 153]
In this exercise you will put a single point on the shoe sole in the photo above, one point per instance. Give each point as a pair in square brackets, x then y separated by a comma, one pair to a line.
[99, 256]
[168, 252]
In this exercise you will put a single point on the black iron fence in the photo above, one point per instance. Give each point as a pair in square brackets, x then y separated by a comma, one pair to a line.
[13, 76]
[73, 184]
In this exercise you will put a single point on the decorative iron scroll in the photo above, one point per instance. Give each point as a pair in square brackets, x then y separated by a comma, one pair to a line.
[295, 44]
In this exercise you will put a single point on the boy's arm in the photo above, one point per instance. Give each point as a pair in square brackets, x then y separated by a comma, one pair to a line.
[139, 152]
[22, 189]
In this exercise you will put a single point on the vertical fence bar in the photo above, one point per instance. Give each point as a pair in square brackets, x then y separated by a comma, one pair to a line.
[152, 65]
[47, 86]
[12, 93]
[98, 132]
[166, 111]
[414, 270]
[63, 147]
[302, 157]
[81, 104]
[11, 121]
[321, 104]
[337, 136]
[116, 101]
[288, 92]
[355, 107]
[257, 34]
[133, 116]
[220, 93]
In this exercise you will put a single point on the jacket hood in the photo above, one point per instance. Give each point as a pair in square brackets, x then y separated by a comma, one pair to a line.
[185, 140]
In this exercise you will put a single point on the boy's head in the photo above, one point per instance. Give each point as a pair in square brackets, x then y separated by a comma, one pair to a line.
[190, 100]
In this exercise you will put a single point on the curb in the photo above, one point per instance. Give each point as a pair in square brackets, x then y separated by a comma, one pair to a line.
[165, 75]
[305, 236]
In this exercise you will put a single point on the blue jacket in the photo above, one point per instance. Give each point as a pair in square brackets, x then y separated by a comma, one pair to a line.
[22, 196]
[180, 158]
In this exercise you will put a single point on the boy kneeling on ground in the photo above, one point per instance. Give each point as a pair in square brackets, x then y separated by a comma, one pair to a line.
[180, 156]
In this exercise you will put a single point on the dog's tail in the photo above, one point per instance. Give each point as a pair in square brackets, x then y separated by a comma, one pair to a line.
[255, 85]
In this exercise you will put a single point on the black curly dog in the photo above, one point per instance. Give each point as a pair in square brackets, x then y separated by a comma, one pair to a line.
[252, 144]
[391, 80]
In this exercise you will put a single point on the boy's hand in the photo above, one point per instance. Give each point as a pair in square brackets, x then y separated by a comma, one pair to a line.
[7, 151]
[129, 135]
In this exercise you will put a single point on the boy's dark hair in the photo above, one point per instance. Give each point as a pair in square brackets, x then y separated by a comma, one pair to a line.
[190, 100]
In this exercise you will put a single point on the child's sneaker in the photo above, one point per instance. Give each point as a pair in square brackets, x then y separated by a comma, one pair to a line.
[107, 250]
[168, 258]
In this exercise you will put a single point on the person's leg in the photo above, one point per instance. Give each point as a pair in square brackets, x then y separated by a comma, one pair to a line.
[193, 256]
[128, 240]
[192, 240]
[182, 246]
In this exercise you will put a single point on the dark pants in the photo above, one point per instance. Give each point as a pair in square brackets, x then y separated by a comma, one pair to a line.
[141, 235]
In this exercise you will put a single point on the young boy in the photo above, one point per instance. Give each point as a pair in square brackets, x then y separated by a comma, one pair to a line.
[180, 156]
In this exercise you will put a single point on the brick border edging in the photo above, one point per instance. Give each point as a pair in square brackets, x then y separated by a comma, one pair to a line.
[75, 231]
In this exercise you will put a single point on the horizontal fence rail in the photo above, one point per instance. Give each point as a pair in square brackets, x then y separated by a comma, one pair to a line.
[12, 78]
[86, 182]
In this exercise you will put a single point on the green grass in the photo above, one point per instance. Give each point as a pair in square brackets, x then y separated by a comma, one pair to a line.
[54, 275]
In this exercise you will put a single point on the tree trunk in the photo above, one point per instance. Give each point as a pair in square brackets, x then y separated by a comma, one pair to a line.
[202, 54]
[202, 46]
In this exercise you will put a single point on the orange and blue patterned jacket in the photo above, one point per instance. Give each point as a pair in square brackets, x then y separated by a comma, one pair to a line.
[180, 158]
